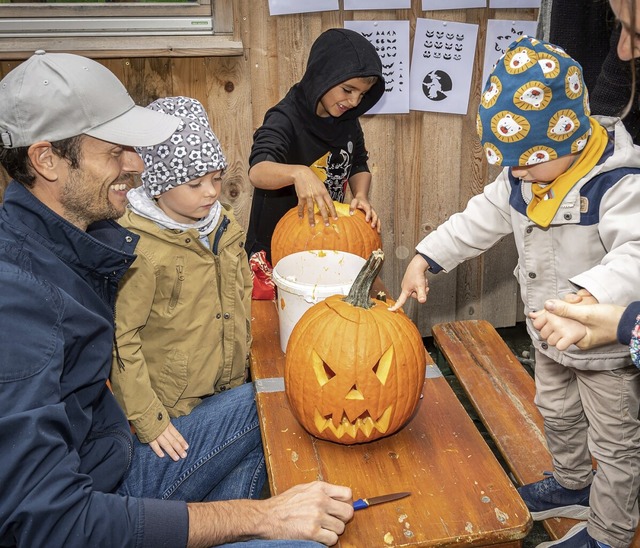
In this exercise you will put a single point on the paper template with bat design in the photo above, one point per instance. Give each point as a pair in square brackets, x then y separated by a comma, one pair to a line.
[391, 40]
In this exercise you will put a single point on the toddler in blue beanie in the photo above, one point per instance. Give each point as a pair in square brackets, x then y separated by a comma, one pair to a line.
[569, 193]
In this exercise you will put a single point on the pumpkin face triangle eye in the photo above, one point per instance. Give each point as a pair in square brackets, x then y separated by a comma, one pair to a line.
[322, 371]
[383, 366]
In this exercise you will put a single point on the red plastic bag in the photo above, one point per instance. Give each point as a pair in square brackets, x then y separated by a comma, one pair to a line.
[264, 289]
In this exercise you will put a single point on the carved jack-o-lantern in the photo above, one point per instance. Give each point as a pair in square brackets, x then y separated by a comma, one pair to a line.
[354, 371]
[349, 233]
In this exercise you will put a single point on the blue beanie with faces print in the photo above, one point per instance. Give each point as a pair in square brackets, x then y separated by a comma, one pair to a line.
[191, 152]
[534, 107]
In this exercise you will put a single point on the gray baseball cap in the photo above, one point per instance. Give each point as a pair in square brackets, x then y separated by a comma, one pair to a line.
[53, 96]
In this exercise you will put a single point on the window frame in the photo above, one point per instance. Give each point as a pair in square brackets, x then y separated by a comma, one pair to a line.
[27, 10]
[221, 41]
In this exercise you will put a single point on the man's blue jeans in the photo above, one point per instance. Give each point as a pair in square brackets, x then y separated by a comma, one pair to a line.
[224, 460]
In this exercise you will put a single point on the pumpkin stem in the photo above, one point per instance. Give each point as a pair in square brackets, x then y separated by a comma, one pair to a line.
[361, 288]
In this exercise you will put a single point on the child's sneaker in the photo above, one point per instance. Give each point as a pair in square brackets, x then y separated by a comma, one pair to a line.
[576, 537]
[548, 499]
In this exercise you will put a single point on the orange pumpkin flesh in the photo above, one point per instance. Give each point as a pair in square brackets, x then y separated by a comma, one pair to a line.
[354, 374]
[349, 233]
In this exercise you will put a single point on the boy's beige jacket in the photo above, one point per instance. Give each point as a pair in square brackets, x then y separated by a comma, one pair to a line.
[183, 319]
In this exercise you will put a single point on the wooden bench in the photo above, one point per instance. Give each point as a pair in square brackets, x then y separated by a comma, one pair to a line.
[501, 391]
[460, 494]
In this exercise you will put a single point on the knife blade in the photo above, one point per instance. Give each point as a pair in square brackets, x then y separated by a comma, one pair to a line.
[360, 504]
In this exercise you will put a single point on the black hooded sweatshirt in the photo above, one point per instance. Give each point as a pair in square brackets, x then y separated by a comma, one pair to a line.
[292, 132]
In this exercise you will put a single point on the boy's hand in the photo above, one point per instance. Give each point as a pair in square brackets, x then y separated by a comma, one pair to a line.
[311, 192]
[370, 214]
[172, 442]
[414, 283]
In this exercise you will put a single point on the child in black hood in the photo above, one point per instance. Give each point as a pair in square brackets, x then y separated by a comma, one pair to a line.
[311, 144]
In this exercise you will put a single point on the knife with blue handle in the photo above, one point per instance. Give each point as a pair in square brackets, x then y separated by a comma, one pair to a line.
[360, 504]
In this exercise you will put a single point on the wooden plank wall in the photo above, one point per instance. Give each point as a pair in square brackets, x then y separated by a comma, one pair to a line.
[425, 165]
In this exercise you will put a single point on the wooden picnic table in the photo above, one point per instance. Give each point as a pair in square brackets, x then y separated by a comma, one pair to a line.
[460, 495]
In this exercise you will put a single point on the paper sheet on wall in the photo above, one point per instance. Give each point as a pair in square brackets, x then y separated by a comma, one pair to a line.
[514, 3]
[376, 4]
[391, 40]
[283, 7]
[500, 33]
[441, 65]
[428, 5]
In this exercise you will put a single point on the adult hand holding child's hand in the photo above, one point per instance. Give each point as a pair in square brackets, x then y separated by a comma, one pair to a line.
[586, 325]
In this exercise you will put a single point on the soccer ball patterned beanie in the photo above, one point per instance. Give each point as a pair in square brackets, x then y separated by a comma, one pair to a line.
[191, 152]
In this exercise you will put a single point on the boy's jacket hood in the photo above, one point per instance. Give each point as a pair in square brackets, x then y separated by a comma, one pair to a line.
[336, 56]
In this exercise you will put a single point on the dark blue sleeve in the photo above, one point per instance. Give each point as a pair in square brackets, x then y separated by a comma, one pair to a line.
[433, 266]
[46, 500]
[628, 322]
[166, 523]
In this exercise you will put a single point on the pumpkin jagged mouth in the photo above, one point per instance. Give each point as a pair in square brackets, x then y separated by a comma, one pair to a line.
[364, 423]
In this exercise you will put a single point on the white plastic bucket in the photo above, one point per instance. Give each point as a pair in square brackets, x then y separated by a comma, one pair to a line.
[308, 277]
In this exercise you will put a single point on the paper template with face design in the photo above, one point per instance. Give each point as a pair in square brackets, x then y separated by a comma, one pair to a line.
[442, 65]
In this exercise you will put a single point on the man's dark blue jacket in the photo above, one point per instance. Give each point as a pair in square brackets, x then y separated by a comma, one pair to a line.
[65, 443]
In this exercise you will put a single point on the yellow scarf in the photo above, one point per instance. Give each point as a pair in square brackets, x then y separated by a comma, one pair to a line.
[547, 198]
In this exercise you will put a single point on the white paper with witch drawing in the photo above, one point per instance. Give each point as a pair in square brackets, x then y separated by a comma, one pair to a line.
[391, 40]
[442, 65]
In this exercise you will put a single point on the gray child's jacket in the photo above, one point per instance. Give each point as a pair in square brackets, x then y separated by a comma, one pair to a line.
[593, 242]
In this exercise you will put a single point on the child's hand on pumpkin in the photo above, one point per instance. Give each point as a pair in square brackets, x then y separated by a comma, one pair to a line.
[312, 193]
[370, 214]
[172, 442]
[414, 283]
[314, 511]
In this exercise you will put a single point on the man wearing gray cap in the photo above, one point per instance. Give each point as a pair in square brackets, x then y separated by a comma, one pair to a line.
[67, 132]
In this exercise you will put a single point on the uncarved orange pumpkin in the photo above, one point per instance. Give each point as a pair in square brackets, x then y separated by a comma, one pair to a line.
[351, 233]
[353, 370]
